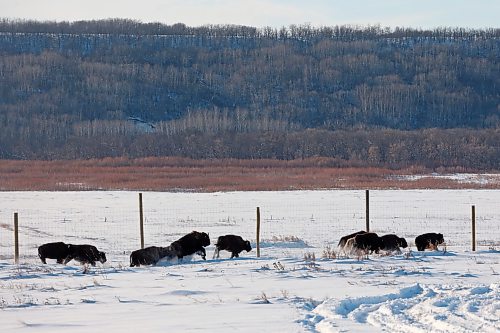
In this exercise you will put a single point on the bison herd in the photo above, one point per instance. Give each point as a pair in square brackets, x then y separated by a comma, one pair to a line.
[64, 253]
[192, 243]
[358, 243]
[363, 243]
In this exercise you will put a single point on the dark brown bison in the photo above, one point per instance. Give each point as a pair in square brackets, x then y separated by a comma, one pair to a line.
[192, 243]
[57, 250]
[348, 248]
[85, 254]
[368, 242]
[392, 242]
[344, 239]
[232, 243]
[428, 241]
[150, 255]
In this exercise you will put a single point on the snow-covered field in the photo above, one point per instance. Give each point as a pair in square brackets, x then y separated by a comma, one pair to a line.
[290, 288]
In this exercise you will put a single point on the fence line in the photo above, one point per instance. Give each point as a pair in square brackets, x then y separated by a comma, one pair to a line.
[288, 223]
[257, 237]
[367, 210]
[16, 238]
[473, 218]
[141, 220]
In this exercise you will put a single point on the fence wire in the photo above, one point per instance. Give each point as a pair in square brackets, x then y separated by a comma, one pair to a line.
[292, 222]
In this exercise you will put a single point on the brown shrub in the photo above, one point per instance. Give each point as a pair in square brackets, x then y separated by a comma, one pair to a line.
[175, 173]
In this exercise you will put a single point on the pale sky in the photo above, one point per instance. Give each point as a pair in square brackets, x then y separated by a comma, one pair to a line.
[260, 13]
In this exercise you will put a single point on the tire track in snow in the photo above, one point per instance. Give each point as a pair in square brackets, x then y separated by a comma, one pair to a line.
[418, 308]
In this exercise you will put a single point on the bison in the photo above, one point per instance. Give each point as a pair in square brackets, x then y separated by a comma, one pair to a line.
[232, 243]
[348, 247]
[194, 242]
[368, 242]
[343, 241]
[85, 254]
[57, 250]
[392, 242]
[150, 255]
[428, 241]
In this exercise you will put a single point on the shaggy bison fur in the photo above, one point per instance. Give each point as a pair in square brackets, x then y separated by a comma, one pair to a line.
[429, 241]
[194, 242]
[232, 243]
[348, 247]
[150, 255]
[57, 250]
[344, 239]
[85, 254]
[392, 242]
[368, 242]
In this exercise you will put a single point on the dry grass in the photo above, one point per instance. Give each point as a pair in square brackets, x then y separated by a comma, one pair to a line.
[182, 174]
[329, 253]
[309, 256]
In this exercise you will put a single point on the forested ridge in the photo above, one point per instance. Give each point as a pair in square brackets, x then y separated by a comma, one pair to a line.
[360, 95]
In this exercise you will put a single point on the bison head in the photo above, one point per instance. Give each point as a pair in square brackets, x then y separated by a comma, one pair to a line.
[205, 239]
[102, 257]
[402, 243]
[201, 237]
[248, 247]
[440, 239]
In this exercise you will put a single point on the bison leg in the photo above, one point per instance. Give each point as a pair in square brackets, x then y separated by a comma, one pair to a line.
[203, 253]
[216, 253]
[67, 259]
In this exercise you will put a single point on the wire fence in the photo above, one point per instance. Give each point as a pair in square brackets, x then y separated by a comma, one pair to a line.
[291, 222]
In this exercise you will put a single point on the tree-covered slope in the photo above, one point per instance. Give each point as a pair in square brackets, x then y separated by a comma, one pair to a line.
[101, 88]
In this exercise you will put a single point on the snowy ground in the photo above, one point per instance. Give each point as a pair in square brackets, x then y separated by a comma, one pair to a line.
[461, 178]
[291, 288]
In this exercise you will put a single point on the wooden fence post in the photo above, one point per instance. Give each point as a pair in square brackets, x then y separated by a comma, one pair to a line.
[16, 238]
[367, 202]
[141, 220]
[473, 228]
[258, 232]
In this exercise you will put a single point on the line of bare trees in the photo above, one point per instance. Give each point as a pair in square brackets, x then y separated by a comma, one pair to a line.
[392, 97]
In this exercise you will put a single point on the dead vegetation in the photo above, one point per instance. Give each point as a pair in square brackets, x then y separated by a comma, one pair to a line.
[182, 174]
